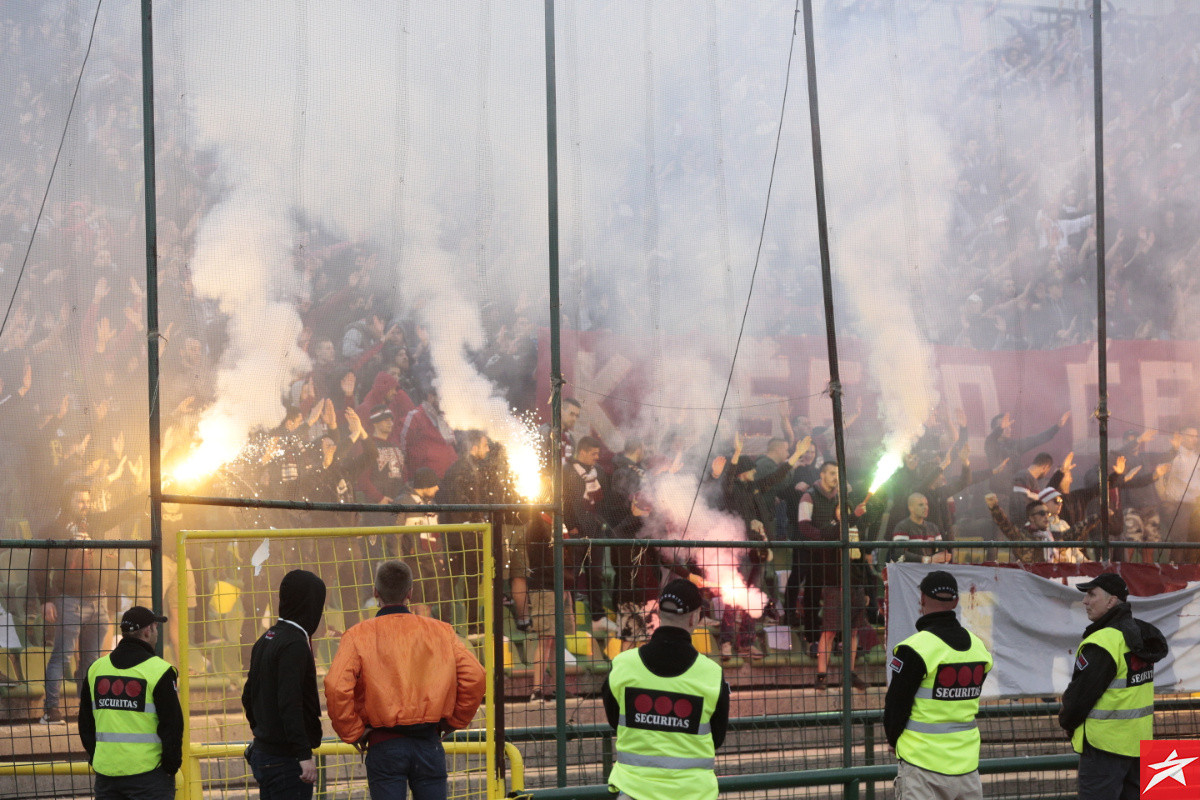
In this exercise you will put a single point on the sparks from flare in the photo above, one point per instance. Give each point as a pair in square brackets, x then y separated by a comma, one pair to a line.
[522, 444]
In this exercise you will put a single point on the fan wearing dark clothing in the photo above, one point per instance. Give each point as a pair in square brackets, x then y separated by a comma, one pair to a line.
[584, 486]
[280, 697]
[751, 496]
[1001, 447]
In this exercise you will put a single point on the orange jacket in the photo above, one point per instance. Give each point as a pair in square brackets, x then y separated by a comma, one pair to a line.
[398, 668]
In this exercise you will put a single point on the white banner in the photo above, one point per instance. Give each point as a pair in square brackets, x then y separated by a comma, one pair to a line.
[1032, 625]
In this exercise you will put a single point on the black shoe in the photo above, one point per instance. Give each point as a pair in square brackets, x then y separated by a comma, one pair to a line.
[525, 625]
[857, 682]
[821, 681]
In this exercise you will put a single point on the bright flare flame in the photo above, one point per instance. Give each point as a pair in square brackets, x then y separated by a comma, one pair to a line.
[525, 464]
[218, 446]
[522, 444]
[884, 470]
[731, 587]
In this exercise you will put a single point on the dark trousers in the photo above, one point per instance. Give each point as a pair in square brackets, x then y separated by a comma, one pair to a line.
[803, 609]
[278, 777]
[1104, 776]
[396, 765]
[153, 785]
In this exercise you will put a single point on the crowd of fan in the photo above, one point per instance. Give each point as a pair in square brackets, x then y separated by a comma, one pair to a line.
[1051, 513]
[366, 422]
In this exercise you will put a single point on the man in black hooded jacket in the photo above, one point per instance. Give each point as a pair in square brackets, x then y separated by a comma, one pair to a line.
[1108, 707]
[280, 697]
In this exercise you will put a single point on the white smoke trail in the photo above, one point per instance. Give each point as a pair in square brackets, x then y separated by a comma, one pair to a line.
[888, 172]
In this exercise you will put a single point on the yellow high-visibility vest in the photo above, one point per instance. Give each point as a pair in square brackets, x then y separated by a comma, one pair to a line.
[941, 734]
[127, 740]
[1124, 714]
[664, 742]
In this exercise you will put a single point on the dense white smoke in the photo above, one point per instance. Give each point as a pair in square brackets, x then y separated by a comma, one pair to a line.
[320, 114]
[888, 172]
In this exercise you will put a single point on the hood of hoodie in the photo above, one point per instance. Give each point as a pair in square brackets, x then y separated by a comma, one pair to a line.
[1142, 638]
[384, 382]
[302, 599]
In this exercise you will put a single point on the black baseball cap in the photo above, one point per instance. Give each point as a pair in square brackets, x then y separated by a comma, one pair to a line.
[1110, 582]
[680, 597]
[137, 618]
[424, 478]
[940, 585]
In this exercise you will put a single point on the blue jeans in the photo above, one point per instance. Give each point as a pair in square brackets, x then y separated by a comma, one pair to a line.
[395, 765]
[278, 777]
[83, 626]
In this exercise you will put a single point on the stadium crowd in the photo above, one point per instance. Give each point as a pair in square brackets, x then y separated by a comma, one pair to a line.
[366, 423]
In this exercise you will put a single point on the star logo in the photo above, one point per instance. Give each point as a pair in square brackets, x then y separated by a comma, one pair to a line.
[1165, 770]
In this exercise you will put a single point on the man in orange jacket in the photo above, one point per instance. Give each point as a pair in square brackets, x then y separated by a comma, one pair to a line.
[397, 684]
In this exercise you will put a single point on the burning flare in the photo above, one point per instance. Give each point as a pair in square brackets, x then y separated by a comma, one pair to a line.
[218, 446]
[524, 459]
[886, 467]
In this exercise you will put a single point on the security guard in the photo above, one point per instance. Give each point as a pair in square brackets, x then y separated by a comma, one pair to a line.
[130, 721]
[929, 712]
[669, 705]
[1108, 707]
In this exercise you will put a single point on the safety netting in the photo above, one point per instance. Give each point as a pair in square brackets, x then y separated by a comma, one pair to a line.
[362, 220]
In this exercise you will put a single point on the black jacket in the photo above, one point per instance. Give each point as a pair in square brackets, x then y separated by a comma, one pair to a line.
[909, 670]
[130, 652]
[280, 697]
[1095, 668]
[669, 654]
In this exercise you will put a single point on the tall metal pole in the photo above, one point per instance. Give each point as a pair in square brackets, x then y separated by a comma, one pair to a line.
[152, 334]
[497, 583]
[556, 382]
[835, 382]
[1101, 303]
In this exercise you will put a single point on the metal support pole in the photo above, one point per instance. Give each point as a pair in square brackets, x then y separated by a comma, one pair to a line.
[556, 382]
[152, 334]
[497, 580]
[1101, 304]
[835, 383]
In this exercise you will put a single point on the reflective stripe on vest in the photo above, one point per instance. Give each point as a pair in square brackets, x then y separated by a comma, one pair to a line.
[127, 741]
[1121, 713]
[704, 729]
[128, 738]
[941, 734]
[663, 762]
[664, 742]
[1124, 714]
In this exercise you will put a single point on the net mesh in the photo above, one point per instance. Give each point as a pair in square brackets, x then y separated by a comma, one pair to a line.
[349, 204]
[233, 594]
